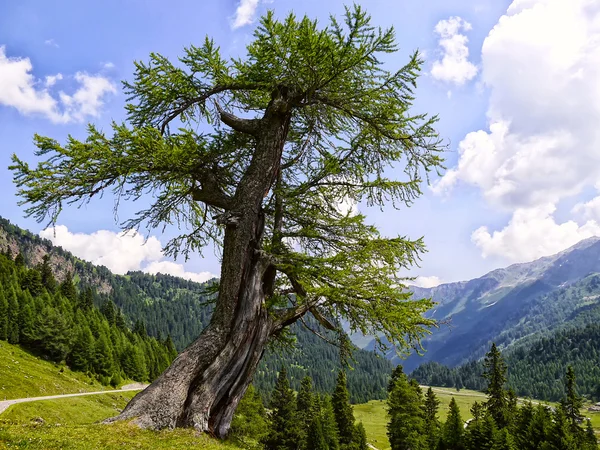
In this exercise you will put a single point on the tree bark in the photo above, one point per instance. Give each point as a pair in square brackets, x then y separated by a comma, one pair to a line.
[205, 383]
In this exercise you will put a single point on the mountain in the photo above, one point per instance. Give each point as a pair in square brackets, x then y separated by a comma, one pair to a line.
[163, 305]
[512, 306]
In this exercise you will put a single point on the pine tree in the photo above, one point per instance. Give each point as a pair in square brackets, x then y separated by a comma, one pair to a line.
[170, 348]
[453, 429]
[86, 299]
[305, 407]
[432, 424]
[315, 440]
[13, 316]
[495, 374]
[249, 424]
[405, 429]
[46, 274]
[589, 442]
[344, 415]
[523, 422]
[67, 288]
[539, 428]
[328, 424]
[82, 354]
[572, 403]
[503, 441]
[19, 260]
[283, 433]
[103, 357]
[3, 315]
[109, 310]
[560, 437]
[360, 440]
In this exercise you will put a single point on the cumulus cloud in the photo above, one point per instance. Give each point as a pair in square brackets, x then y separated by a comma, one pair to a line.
[541, 65]
[533, 233]
[454, 65]
[244, 14]
[120, 252]
[177, 270]
[21, 90]
[426, 282]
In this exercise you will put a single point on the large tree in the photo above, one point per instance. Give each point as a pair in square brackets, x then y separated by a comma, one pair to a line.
[262, 155]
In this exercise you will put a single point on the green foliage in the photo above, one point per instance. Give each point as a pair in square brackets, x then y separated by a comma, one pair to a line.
[495, 374]
[283, 434]
[249, 424]
[342, 410]
[52, 323]
[405, 408]
[431, 422]
[452, 431]
[346, 119]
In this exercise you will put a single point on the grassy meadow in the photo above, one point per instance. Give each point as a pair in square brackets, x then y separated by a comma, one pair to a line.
[24, 375]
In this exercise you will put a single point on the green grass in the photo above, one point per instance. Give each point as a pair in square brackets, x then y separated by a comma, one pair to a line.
[72, 411]
[116, 436]
[23, 375]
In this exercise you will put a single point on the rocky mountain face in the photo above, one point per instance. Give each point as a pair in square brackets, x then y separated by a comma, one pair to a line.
[508, 306]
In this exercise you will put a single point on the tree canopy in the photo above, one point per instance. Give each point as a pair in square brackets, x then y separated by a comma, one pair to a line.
[349, 135]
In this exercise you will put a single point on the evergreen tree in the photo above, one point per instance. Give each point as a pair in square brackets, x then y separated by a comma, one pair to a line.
[572, 403]
[360, 440]
[13, 316]
[103, 357]
[109, 310]
[171, 350]
[306, 410]
[67, 288]
[328, 424]
[249, 424]
[503, 441]
[344, 415]
[86, 299]
[539, 428]
[82, 354]
[19, 260]
[560, 437]
[283, 433]
[406, 426]
[589, 442]
[523, 422]
[453, 429]
[315, 440]
[47, 277]
[495, 374]
[3, 315]
[432, 424]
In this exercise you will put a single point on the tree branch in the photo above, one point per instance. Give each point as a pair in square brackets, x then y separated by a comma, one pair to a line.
[248, 126]
[202, 98]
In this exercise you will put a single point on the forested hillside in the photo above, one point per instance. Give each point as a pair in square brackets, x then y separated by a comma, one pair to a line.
[535, 370]
[56, 322]
[163, 306]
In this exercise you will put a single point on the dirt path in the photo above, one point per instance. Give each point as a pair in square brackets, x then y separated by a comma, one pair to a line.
[129, 387]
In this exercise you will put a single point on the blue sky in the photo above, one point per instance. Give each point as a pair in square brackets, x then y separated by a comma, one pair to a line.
[514, 83]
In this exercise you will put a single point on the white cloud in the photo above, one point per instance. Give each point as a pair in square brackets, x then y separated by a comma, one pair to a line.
[177, 270]
[108, 65]
[52, 79]
[426, 282]
[454, 65]
[533, 233]
[244, 14]
[51, 43]
[120, 252]
[541, 65]
[21, 90]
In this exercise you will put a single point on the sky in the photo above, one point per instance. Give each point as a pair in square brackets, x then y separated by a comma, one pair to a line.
[516, 86]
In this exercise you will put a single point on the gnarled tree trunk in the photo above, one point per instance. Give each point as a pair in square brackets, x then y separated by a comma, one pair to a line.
[203, 386]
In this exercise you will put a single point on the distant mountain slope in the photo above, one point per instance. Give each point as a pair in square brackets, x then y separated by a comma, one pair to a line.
[168, 305]
[520, 302]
